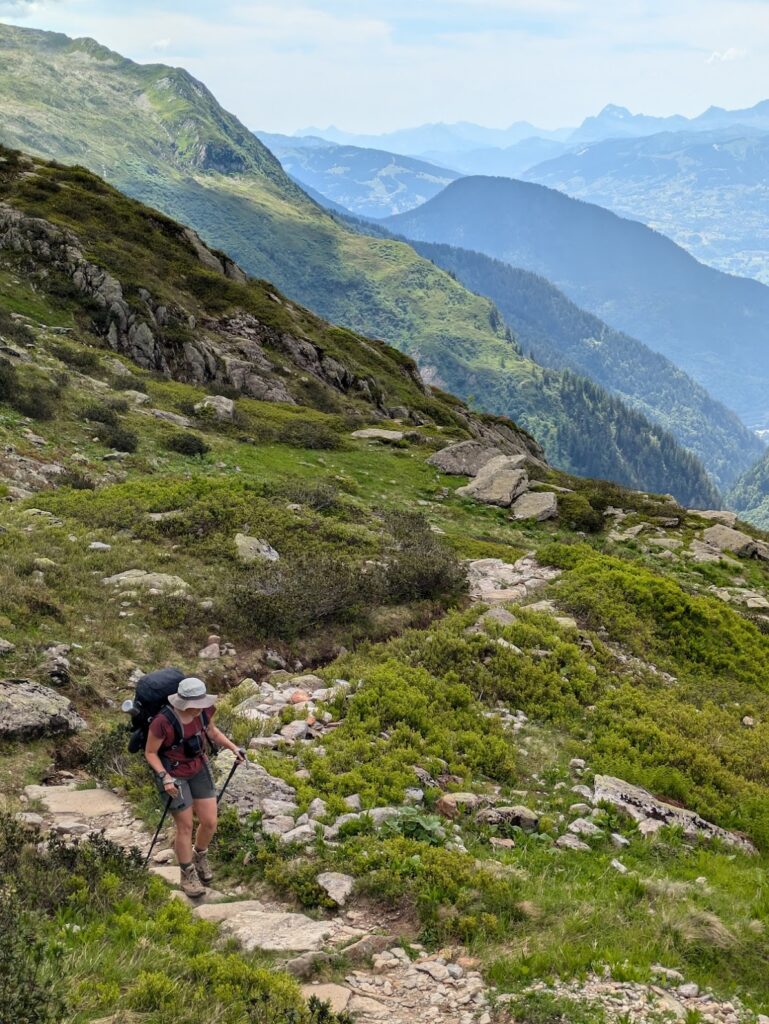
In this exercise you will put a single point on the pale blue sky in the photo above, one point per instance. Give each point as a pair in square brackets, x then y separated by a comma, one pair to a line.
[375, 65]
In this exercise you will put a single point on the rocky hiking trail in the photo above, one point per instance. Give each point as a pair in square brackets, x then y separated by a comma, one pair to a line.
[394, 989]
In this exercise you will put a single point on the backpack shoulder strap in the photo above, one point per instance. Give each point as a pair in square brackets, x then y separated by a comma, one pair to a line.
[168, 713]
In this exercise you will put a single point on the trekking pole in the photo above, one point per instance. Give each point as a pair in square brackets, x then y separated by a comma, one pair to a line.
[227, 780]
[157, 831]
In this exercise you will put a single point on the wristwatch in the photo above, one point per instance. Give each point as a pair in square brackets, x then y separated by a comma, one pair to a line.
[164, 777]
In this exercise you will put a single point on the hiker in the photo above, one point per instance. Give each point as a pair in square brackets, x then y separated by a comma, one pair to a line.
[182, 773]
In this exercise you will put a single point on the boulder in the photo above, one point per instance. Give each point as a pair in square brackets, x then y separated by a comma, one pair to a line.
[218, 406]
[583, 827]
[520, 816]
[499, 482]
[652, 814]
[6, 647]
[569, 842]
[338, 886]
[724, 538]
[451, 805]
[171, 417]
[337, 996]
[251, 785]
[253, 549]
[29, 710]
[87, 804]
[537, 505]
[464, 459]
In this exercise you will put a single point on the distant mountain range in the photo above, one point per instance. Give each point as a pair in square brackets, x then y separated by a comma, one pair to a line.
[713, 325]
[368, 182]
[707, 190]
[613, 121]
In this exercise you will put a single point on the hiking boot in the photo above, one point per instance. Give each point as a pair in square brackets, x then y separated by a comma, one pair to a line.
[191, 884]
[203, 868]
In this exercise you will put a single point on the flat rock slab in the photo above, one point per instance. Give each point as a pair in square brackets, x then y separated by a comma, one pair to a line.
[29, 710]
[270, 931]
[337, 996]
[142, 578]
[375, 434]
[79, 803]
[168, 872]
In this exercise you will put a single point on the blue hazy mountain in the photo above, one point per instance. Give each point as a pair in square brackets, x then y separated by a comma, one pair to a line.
[368, 182]
[708, 191]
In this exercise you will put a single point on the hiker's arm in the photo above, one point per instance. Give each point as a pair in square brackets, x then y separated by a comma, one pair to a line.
[218, 738]
[154, 744]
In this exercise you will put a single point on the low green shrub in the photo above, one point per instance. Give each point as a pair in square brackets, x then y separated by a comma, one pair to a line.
[119, 438]
[79, 358]
[306, 433]
[100, 412]
[187, 444]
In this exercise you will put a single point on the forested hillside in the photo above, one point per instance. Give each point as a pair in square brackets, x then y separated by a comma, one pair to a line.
[560, 335]
[712, 325]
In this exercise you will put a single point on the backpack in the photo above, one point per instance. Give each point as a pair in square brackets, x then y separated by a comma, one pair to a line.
[151, 699]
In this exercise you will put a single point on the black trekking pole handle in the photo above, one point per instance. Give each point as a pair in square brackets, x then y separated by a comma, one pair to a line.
[157, 831]
[227, 780]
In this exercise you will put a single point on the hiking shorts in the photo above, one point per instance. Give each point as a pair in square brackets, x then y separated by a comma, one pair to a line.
[197, 787]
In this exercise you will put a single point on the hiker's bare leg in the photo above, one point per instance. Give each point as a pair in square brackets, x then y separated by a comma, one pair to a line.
[183, 840]
[205, 811]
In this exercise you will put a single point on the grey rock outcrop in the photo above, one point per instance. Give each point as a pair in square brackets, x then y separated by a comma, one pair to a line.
[29, 710]
[643, 807]
[499, 482]
[218, 406]
[493, 581]
[538, 505]
[464, 459]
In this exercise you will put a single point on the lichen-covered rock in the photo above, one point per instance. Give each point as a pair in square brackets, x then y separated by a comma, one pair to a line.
[29, 710]
[464, 459]
[644, 808]
[150, 580]
[254, 549]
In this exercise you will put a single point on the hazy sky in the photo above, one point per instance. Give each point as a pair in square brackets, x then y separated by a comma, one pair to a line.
[375, 65]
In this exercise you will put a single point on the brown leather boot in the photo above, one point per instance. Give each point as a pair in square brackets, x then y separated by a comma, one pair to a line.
[191, 884]
[203, 868]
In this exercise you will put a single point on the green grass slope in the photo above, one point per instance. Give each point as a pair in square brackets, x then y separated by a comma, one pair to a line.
[160, 136]
[651, 681]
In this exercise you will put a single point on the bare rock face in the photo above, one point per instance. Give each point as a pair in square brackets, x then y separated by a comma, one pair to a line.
[464, 459]
[538, 505]
[29, 711]
[645, 808]
[499, 482]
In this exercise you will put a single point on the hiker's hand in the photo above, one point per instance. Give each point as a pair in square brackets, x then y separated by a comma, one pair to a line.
[170, 789]
[240, 754]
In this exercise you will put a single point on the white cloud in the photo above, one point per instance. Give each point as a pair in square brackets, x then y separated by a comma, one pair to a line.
[724, 56]
[160, 44]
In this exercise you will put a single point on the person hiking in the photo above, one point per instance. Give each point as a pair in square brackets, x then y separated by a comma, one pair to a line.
[183, 774]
